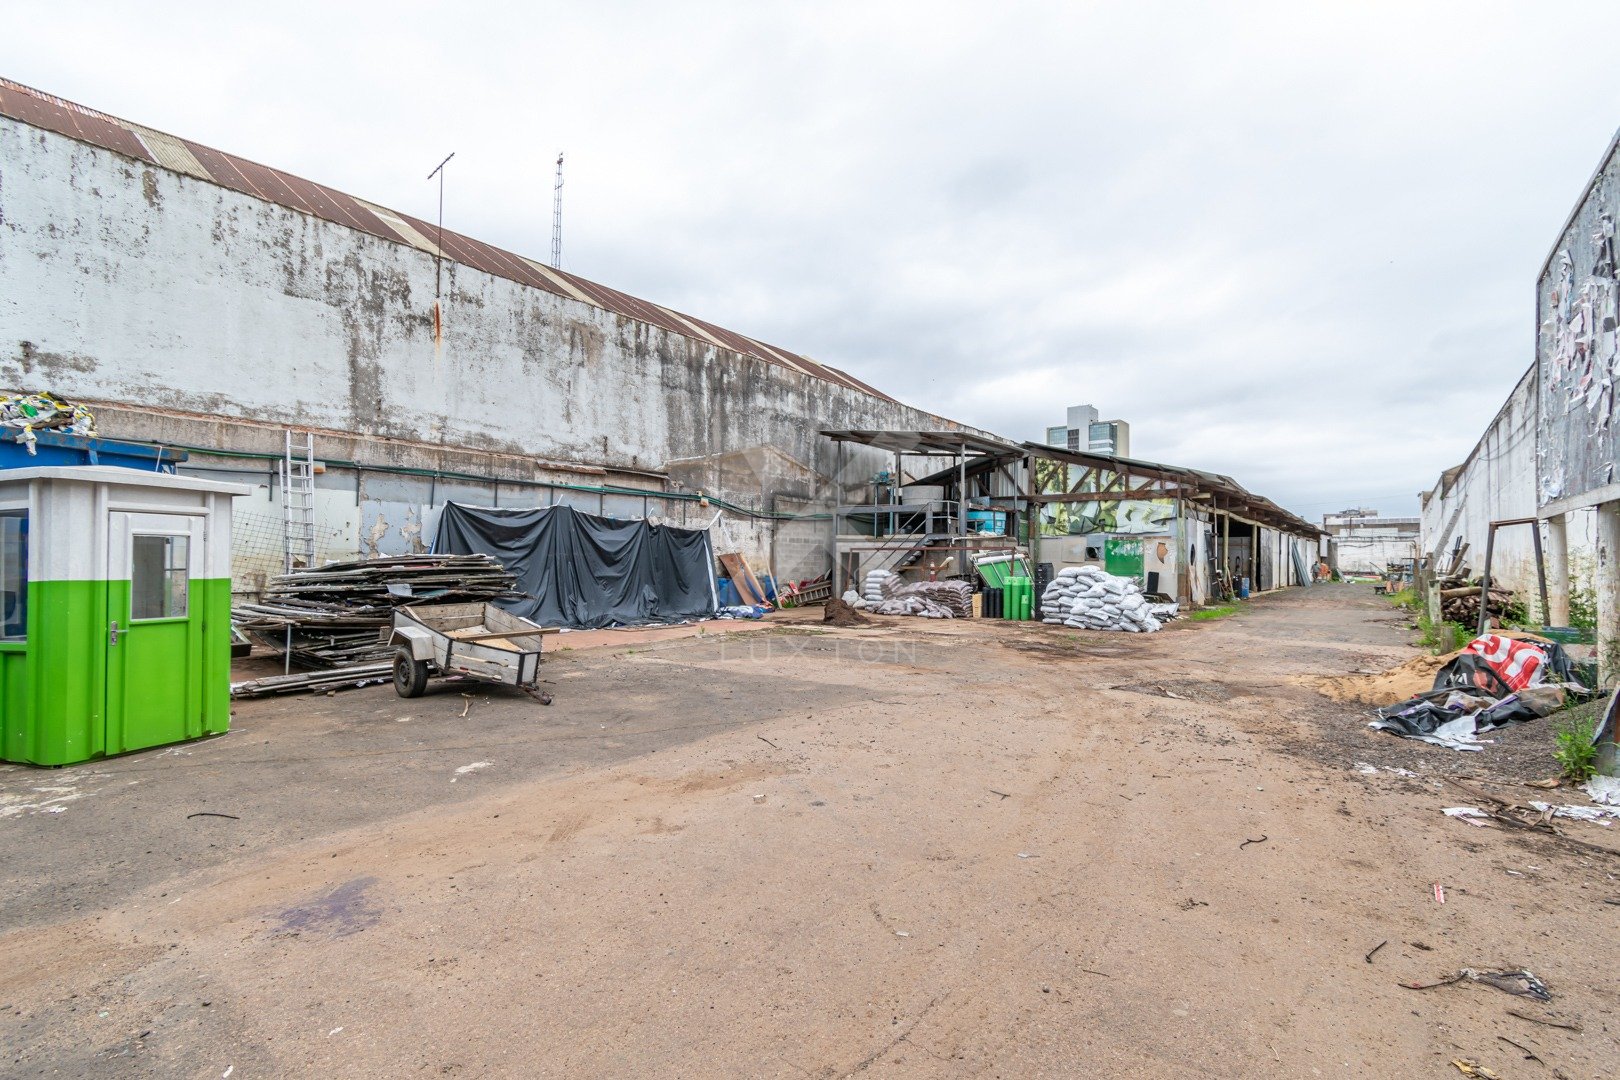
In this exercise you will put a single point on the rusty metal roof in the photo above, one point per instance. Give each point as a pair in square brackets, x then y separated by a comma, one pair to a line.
[41, 110]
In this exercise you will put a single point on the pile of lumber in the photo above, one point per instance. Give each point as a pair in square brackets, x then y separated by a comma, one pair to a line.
[1459, 602]
[335, 612]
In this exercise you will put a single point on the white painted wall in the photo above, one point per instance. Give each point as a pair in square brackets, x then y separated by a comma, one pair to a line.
[129, 283]
[1496, 483]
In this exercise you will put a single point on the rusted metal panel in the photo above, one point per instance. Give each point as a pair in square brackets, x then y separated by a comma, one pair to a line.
[65, 118]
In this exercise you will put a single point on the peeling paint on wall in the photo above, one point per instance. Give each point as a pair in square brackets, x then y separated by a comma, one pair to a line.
[1578, 348]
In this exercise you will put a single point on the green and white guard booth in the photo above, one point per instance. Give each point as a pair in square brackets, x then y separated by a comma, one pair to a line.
[115, 611]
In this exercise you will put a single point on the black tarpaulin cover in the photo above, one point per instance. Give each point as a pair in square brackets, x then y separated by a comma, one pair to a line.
[583, 571]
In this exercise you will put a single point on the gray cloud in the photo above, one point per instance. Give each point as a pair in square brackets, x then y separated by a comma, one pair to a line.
[1295, 244]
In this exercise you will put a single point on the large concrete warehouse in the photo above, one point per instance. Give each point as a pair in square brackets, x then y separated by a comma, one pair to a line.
[201, 301]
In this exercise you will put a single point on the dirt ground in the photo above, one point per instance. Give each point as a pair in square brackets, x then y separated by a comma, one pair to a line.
[916, 849]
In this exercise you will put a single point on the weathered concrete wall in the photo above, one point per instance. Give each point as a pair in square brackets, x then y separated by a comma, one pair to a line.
[1578, 347]
[1371, 551]
[1498, 482]
[220, 318]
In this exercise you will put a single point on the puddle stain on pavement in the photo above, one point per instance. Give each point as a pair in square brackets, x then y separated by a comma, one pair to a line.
[345, 910]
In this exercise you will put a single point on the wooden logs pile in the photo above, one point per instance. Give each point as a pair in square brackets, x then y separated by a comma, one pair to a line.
[1459, 602]
[336, 612]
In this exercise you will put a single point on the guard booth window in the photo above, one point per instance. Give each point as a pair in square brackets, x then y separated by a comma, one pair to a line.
[157, 585]
[13, 575]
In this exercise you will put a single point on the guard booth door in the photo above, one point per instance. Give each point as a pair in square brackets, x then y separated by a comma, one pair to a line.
[154, 633]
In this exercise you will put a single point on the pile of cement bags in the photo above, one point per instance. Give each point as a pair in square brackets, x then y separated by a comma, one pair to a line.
[879, 586]
[885, 593]
[1087, 598]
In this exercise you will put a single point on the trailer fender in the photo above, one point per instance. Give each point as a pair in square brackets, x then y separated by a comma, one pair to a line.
[418, 639]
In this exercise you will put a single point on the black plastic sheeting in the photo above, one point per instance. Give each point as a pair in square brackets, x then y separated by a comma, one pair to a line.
[584, 572]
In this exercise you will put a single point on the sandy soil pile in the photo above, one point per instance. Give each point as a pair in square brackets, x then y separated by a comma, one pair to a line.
[1416, 676]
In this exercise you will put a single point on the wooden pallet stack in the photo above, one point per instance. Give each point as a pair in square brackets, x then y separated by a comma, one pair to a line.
[335, 612]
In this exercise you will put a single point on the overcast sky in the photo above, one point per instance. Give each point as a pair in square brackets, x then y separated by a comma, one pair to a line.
[1293, 242]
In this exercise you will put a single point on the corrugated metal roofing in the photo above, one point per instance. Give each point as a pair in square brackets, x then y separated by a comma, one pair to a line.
[51, 113]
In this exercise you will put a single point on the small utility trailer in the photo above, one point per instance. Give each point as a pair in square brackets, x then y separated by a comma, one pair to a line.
[477, 641]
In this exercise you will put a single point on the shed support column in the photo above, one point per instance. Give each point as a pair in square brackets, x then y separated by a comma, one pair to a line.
[1226, 552]
[1032, 516]
[1557, 613]
[962, 500]
[1608, 592]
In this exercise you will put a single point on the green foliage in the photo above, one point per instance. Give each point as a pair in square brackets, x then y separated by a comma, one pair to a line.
[1582, 595]
[1406, 598]
[1206, 614]
[1583, 607]
[1575, 752]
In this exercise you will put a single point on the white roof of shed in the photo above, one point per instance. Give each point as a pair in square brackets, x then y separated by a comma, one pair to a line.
[114, 474]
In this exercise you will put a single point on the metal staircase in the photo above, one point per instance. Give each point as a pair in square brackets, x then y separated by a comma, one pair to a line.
[298, 501]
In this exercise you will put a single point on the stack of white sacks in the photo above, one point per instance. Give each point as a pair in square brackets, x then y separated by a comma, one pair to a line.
[879, 586]
[886, 593]
[1090, 599]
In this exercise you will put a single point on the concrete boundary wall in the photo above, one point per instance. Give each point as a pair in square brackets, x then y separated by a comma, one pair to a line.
[190, 314]
[1497, 482]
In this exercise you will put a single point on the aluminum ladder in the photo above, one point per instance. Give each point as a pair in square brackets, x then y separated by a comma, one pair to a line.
[298, 501]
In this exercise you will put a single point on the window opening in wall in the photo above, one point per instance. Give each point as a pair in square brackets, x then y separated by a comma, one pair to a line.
[13, 575]
[157, 581]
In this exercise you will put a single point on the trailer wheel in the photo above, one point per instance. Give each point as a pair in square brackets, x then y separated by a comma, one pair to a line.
[410, 674]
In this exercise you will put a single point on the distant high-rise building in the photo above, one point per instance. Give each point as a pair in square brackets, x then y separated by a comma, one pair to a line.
[1084, 432]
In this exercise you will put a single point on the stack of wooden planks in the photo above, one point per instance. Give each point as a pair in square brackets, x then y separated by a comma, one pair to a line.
[336, 612]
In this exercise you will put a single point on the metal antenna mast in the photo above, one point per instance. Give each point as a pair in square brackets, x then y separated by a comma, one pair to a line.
[438, 270]
[556, 218]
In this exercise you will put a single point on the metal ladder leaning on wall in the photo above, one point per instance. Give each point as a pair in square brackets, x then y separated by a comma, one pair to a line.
[298, 501]
[297, 512]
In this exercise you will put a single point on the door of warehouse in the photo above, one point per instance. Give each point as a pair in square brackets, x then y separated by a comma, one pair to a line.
[154, 629]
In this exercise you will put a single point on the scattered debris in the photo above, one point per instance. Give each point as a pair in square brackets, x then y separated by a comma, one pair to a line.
[1602, 789]
[29, 413]
[1544, 1021]
[1496, 680]
[1470, 1067]
[1374, 951]
[1529, 1054]
[1439, 893]
[1189, 903]
[468, 769]
[1519, 982]
[1471, 815]
[1600, 814]
[344, 678]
